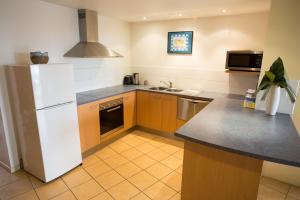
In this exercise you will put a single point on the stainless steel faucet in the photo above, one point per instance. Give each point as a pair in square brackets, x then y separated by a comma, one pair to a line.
[168, 83]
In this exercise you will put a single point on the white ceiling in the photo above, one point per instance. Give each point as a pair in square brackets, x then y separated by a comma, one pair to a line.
[136, 10]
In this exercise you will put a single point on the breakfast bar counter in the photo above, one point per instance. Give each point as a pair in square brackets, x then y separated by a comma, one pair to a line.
[226, 144]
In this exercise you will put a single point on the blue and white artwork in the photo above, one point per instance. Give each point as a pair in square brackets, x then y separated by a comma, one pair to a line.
[180, 42]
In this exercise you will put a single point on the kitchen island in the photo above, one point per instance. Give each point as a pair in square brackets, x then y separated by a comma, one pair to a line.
[225, 146]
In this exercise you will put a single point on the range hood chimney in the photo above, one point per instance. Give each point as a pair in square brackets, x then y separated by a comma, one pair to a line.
[89, 47]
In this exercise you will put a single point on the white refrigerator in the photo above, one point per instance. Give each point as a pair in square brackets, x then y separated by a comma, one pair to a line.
[45, 116]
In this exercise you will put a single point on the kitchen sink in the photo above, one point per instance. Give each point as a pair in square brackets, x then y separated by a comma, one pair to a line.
[158, 88]
[174, 90]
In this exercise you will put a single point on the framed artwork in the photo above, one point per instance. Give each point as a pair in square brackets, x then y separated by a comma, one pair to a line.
[180, 42]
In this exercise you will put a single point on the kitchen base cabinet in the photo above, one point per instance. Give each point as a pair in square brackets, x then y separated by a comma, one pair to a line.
[129, 101]
[211, 173]
[88, 119]
[156, 111]
[169, 113]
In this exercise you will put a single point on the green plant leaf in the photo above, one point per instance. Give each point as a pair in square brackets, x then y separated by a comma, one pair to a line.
[263, 97]
[263, 85]
[291, 93]
[282, 83]
[270, 76]
[277, 69]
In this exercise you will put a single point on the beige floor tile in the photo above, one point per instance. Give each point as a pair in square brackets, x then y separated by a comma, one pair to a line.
[76, 177]
[144, 136]
[144, 161]
[6, 177]
[290, 198]
[142, 180]
[176, 143]
[116, 161]
[123, 191]
[170, 149]
[176, 197]
[89, 161]
[131, 154]
[158, 154]
[36, 182]
[65, 196]
[145, 148]
[105, 153]
[15, 188]
[172, 162]
[179, 170]
[274, 184]
[119, 146]
[159, 191]
[173, 180]
[156, 143]
[179, 155]
[87, 190]
[109, 179]
[103, 196]
[97, 169]
[140, 196]
[31, 195]
[294, 192]
[51, 189]
[128, 169]
[159, 170]
[132, 141]
[266, 193]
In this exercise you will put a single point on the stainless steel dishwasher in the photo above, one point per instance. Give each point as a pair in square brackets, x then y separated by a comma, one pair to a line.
[187, 108]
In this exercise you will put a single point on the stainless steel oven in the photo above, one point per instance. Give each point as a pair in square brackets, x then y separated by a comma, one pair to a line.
[111, 115]
[244, 60]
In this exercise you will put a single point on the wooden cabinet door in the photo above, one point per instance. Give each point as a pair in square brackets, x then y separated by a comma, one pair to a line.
[89, 126]
[155, 111]
[129, 100]
[143, 110]
[169, 113]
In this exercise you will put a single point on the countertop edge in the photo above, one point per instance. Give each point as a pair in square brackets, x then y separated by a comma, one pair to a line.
[239, 152]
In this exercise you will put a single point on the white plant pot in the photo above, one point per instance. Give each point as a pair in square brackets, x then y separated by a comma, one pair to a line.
[272, 101]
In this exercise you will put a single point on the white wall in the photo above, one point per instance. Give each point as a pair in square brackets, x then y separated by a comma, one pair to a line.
[52, 28]
[32, 25]
[205, 68]
[97, 73]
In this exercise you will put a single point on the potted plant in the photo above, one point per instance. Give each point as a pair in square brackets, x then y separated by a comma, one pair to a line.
[271, 83]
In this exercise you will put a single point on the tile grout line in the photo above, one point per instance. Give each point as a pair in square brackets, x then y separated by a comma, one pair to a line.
[287, 194]
[22, 192]
[92, 177]
[159, 161]
[130, 161]
[66, 191]
[34, 188]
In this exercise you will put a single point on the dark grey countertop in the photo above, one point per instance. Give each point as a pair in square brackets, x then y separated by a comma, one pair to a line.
[226, 125]
[94, 95]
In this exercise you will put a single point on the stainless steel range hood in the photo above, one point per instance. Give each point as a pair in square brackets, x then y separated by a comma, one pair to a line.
[89, 47]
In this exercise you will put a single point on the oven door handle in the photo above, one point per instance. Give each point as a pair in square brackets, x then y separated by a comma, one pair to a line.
[116, 108]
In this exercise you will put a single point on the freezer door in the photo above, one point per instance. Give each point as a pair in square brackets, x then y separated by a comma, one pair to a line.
[59, 138]
[52, 84]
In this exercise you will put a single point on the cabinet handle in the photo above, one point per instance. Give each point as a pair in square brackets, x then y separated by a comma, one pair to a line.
[116, 108]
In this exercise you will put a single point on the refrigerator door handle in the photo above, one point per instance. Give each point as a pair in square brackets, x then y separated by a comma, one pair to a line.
[55, 106]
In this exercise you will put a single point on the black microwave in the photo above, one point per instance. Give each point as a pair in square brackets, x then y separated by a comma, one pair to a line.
[246, 60]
